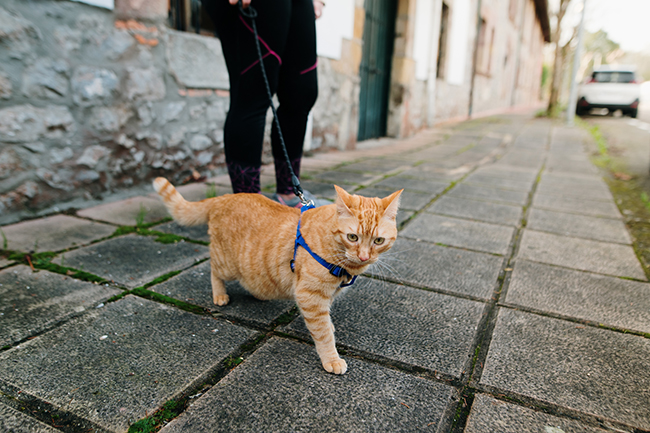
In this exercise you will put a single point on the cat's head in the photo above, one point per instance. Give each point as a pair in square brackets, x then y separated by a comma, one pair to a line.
[366, 226]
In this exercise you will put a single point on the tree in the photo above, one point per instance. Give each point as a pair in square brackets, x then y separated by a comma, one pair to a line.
[558, 62]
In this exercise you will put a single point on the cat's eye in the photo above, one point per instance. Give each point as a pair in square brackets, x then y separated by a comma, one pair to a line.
[352, 237]
[379, 241]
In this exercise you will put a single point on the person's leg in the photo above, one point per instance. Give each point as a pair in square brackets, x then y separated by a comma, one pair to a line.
[249, 102]
[297, 92]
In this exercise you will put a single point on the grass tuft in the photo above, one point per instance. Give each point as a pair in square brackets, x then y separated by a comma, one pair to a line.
[150, 424]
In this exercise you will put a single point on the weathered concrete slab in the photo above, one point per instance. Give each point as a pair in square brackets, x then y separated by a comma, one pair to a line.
[608, 300]
[194, 286]
[579, 367]
[128, 212]
[183, 53]
[403, 215]
[436, 267]
[340, 177]
[376, 165]
[14, 421]
[408, 199]
[199, 191]
[581, 226]
[577, 205]
[117, 364]
[491, 415]
[54, 233]
[34, 301]
[497, 182]
[583, 254]
[4, 262]
[197, 233]
[132, 260]
[367, 398]
[489, 194]
[417, 185]
[457, 232]
[559, 163]
[430, 172]
[413, 326]
[595, 191]
[509, 172]
[477, 210]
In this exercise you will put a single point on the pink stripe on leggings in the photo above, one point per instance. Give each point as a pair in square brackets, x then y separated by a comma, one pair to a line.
[311, 68]
[254, 63]
[261, 40]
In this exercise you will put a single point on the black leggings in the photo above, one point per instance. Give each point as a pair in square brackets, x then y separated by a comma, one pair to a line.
[287, 33]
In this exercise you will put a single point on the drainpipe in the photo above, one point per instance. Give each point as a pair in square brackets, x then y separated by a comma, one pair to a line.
[474, 58]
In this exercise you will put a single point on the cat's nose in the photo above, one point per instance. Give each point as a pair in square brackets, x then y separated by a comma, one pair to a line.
[364, 258]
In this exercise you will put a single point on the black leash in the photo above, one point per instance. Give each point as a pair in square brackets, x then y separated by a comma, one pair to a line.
[251, 14]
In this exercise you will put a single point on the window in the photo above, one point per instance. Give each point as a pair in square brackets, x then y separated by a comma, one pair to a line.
[613, 77]
[190, 16]
[442, 42]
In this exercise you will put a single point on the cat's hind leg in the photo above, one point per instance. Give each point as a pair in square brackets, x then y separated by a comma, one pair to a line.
[219, 295]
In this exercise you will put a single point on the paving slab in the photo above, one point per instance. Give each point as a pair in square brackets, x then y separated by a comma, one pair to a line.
[417, 185]
[607, 300]
[55, 233]
[128, 212]
[594, 191]
[477, 210]
[491, 415]
[489, 194]
[376, 165]
[513, 173]
[4, 262]
[133, 260]
[35, 301]
[368, 398]
[341, 177]
[413, 326]
[576, 205]
[199, 191]
[197, 233]
[13, 421]
[408, 199]
[194, 286]
[462, 233]
[498, 182]
[592, 370]
[119, 363]
[583, 254]
[442, 268]
[581, 226]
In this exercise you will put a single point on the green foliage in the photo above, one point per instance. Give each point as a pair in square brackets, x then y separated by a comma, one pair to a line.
[211, 192]
[150, 424]
[231, 362]
[142, 213]
[5, 243]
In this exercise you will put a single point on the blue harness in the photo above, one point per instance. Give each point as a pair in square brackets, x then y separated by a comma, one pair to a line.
[337, 271]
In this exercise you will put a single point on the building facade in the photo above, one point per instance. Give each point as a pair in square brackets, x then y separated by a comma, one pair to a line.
[100, 96]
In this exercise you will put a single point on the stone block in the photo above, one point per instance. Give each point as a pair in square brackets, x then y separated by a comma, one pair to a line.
[194, 286]
[412, 326]
[576, 205]
[17, 33]
[442, 268]
[340, 177]
[491, 415]
[196, 61]
[607, 300]
[132, 260]
[376, 165]
[498, 182]
[55, 233]
[46, 78]
[376, 398]
[574, 366]
[408, 199]
[26, 123]
[477, 210]
[593, 191]
[582, 254]
[199, 233]
[416, 185]
[457, 232]
[6, 88]
[139, 355]
[144, 84]
[15, 421]
[93, 86]
[128, 212]
[149, 10]
[489, 194]
[33, 302]
[581, 226]
[92, 155]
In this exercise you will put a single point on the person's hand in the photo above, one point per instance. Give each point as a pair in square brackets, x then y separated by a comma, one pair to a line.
[318, 8]
[245, 3]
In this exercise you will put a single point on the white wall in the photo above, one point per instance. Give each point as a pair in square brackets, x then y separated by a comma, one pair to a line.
[336, 23]
[459, 37]
[423, 47]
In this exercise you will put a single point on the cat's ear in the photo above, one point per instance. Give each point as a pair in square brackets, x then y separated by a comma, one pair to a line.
[391, 204]
[343, 202]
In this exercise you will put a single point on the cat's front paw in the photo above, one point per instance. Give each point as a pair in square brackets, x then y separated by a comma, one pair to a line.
[337, 366]
[221, 300]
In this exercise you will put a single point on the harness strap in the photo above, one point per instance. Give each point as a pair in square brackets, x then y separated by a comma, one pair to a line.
[337, 271]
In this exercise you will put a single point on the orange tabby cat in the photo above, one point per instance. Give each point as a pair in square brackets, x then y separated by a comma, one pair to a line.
[252, 240]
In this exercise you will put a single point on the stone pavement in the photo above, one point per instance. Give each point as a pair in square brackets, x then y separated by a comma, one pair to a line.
[513, 301]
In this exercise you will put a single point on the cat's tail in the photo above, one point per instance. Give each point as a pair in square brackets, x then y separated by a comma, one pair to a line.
[186, 213]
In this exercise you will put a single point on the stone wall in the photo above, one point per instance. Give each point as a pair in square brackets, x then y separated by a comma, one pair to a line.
[92, 105]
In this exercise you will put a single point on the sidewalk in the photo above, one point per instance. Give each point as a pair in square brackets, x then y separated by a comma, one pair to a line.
[512, 302]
